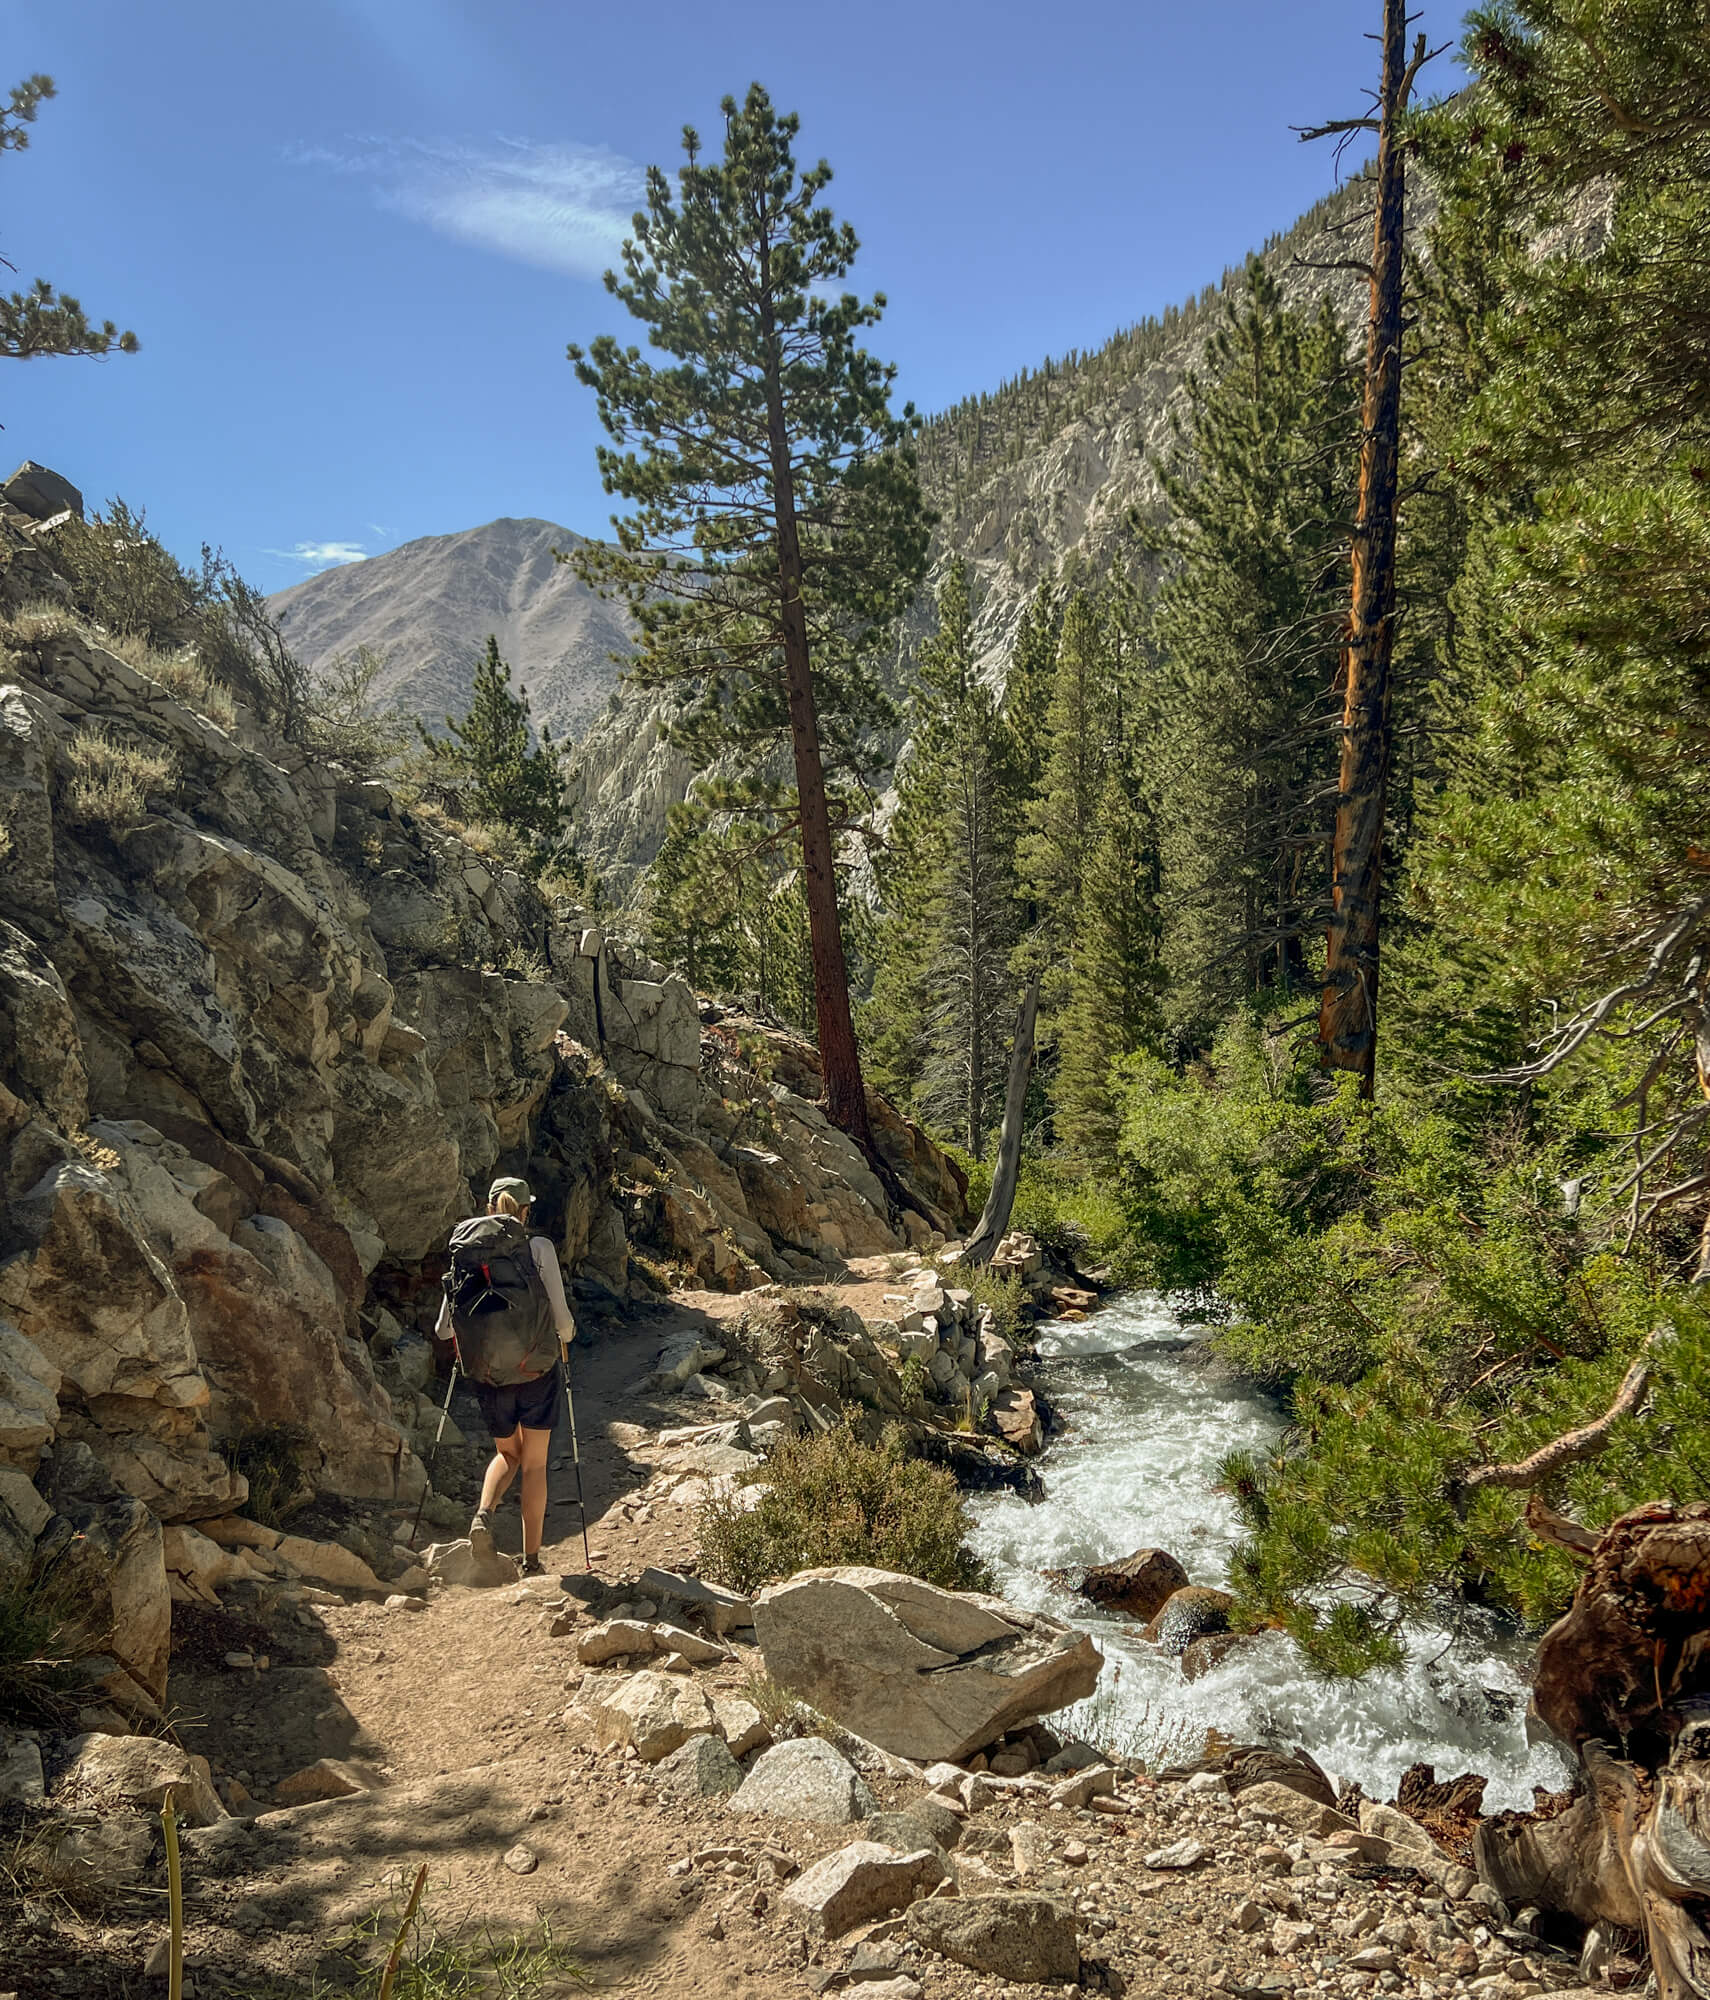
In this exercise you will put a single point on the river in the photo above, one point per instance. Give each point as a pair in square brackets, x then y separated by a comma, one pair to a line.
[1133, 1468]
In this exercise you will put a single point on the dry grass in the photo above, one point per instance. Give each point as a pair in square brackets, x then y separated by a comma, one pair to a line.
[34, 624]
[109, 781]
[181, 673]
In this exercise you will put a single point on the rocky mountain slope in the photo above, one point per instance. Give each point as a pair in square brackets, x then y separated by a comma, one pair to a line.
[265, 1034]
[427, 608]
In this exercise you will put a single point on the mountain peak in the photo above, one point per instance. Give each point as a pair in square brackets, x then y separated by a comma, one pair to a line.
[427, 606]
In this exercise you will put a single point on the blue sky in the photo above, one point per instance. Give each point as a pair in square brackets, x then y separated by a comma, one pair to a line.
[355, 235]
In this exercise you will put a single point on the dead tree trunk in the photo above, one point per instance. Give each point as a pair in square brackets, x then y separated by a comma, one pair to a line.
[1347, 1022]
[989, 1231]
[1624, 1678]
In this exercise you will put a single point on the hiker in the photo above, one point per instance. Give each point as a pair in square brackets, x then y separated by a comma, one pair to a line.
[505, 1309]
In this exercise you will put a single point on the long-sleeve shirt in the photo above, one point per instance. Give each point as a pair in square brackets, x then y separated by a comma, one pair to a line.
[546, 1263]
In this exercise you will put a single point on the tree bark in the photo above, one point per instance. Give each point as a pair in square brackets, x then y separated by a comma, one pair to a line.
[1347, 1022]
[994, 1217]
[839, 1059]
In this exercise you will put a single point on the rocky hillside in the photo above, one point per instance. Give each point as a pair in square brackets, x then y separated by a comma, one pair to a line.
[265, 1034]
[427, 608]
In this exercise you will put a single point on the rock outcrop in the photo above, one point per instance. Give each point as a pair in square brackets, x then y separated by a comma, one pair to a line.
[266, 1031]
[930, 1674]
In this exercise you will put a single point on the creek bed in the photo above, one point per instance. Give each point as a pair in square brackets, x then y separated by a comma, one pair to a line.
[1133, 1468]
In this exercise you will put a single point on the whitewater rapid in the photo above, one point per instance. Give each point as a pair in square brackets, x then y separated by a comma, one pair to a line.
[1145, 1430]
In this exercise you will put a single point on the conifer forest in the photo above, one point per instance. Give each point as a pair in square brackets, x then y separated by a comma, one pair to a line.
[1450, 1250]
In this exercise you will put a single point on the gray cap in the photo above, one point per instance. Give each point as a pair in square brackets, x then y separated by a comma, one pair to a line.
[509, 1184]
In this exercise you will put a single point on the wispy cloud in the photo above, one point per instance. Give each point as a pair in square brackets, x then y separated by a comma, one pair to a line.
[563, 207]
[321, 555]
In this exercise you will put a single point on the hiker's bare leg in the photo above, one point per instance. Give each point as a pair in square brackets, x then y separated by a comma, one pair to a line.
[534, 1449]
[501, 1469]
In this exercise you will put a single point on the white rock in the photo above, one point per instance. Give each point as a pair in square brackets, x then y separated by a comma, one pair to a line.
[740, 1723]
[651, 1713]
[1187, 1853]
[806, 1779]
[931, 1674]
[860, 1882]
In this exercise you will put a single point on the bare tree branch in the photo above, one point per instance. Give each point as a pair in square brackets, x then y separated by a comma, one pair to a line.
[1585, 1442]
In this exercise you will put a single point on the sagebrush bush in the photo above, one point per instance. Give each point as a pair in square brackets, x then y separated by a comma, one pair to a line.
[834, 1499]
[109, 780]
[127, 582]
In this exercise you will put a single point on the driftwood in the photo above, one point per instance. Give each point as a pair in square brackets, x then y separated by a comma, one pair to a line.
[1624, 1678]
[989, 1231]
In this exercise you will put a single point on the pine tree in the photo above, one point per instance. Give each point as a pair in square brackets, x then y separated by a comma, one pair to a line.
[1027, 686]
[42, 321]
[1064, 805]
[1348, 1014]
[512, 782]
[1112, 1009]
[942, 990]
[778, 526]
[1248, 628]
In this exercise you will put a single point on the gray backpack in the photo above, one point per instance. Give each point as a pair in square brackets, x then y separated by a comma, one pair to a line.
[499, 1309]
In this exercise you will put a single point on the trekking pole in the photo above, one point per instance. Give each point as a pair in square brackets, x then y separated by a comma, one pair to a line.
[576, 1460]
[433, 1455]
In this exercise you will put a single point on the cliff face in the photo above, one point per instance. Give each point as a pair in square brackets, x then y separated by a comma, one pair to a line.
[265, 1035]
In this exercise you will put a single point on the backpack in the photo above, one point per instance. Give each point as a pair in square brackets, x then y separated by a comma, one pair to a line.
[499, 1309]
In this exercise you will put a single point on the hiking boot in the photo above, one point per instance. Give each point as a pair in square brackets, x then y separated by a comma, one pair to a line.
[532, 1566]
[481, 1534]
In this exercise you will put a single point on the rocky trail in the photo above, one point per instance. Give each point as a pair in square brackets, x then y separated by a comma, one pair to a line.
[453, 1723]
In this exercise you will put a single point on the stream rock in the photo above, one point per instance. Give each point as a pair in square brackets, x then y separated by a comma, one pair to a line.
[1194, 1612]
[1139, 1586]
[931, 1674]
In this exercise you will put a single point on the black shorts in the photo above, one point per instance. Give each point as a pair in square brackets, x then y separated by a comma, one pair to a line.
[534, 1405]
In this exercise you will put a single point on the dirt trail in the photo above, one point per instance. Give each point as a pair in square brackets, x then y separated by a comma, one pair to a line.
[456, 1708]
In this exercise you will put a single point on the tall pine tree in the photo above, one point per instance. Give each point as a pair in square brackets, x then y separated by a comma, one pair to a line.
[778, 526]
[1248, 628]
[943, 992]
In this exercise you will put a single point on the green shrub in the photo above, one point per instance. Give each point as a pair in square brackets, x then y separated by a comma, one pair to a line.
[834, 1499]
[126, 581]
[271, 1459]
[344, 722]
[39, 1645]
[1002, 1291]
[109, 780]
